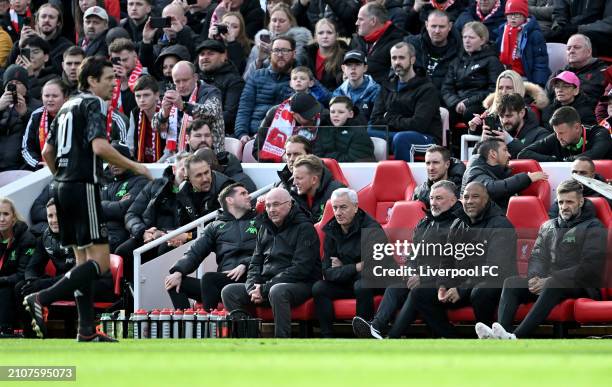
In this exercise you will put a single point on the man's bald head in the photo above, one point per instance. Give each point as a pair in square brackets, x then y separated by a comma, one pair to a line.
[475, 199]
[174, 10]
[184, 77]
[278, 205]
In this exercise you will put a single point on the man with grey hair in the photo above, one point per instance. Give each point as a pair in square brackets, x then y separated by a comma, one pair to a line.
[433, 228]
[284, 265]
[409, 104]
[375, 36]
[567, 261]
[343, 262]
[581, 62]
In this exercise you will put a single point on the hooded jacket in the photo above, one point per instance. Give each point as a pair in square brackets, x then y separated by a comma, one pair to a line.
[193, 205]
[436, 65]
[348, 143]
[413, 106]
[363, 97]
[48, 247]
[288, 253]
[455, 174]
[571, 252]
[535, 96]
[232, 168]
[327, 185]
[348, 247]
[471, 77]
[498, 179]
[16, 255]
[232, 240]
[597, 146]
[228, 80]
[495, 236]
[155, 206]
[533, 52]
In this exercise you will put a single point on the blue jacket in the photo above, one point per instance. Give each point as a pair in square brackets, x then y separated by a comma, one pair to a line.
[263, 89]
[363, 97]
[532, 47]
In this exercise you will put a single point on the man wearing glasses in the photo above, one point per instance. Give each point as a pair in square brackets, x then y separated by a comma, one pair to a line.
[284, 265]
[265, 88]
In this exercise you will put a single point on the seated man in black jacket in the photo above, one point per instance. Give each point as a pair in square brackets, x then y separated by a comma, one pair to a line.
[439, 166]
[232, 238]
[567, 261]
[313, 186]
[570, 140]
[343, 260]
[117, 196]
[434, 228]
[47, 249]
[485, 268]
[284, 265]
[490, 167]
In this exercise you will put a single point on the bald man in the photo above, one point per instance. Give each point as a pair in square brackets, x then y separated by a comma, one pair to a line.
[484, 225]
[192, 99]
[154, 40]
[284, 266]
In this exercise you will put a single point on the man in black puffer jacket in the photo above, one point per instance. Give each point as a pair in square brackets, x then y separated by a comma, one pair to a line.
[484, 226]
[232, 238]
[439, 166]
[343, 262]
[284, 266]
[490, 167]
[153, 213]
[567, 261]
[117, 196]
[313, 186]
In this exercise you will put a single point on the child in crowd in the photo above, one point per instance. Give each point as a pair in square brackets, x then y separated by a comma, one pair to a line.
[358, 86]
[303, 80]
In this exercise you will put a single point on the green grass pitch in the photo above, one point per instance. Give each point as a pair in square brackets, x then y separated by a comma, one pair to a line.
[314, 362]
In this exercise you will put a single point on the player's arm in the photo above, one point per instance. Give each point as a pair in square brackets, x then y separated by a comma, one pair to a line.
[102, 148]
[48, 154]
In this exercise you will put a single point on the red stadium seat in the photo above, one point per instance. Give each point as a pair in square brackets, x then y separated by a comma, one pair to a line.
[304, 312]
[527, 214]
[346, 309]
[392, 182]
[539, 189]
[604, 168]
[405, 215]
[335, 170]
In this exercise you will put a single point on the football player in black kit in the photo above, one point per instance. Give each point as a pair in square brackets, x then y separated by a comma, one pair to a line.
[76, 145]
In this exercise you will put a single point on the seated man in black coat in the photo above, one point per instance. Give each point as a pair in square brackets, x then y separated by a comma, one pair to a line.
[343, 260]
[490, 167]
[284, 265]
[439, 166]
[232, 238]
[484, 270]
[570, 140]
[567, 261]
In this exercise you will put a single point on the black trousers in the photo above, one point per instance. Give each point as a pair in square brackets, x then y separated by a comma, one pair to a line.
[324, 292]
[483, 300]
[7, 306]
[516, 292]
[206, 290]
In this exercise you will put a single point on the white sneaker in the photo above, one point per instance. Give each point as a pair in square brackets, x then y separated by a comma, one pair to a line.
[484, 332]
[500, 333]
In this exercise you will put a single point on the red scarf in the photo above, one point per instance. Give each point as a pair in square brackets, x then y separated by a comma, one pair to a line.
[491, 13]
[442, 7]
[132, 79]
[43, 129]
[15, 18]
[510, 55]
[373, 36]
[186, 121]
[149, 140]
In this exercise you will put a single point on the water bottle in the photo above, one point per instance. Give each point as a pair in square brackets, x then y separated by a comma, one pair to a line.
[141, 324]
[177, 321]
[188, 317]
[165, 317]
[131, 326]
[118, 325]
[201, 317]
[155, 323]
[212, 325]
[223, 324]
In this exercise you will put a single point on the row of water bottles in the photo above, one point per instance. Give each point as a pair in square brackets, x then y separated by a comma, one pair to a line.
[179, 324]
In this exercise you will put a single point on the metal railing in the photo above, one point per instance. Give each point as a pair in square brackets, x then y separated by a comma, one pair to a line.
[198, 223]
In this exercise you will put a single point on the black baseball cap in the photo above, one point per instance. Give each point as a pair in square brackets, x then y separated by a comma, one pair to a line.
[305, 105]
[355, 56]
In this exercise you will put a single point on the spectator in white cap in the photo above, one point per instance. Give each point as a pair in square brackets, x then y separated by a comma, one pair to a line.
[567, 92]
[95, 26]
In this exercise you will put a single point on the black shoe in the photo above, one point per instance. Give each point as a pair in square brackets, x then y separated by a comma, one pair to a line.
[365, 330]
[38, 314]
[99, 336]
